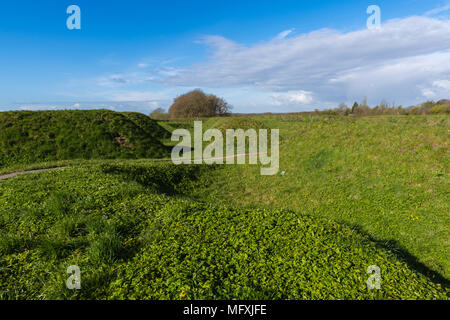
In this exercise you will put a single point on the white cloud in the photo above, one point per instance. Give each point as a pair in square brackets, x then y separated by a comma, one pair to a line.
[396, 62]
[135, 96]
[428, 93]
[437, 89]
[138, 77]
[292, 98]
[37, 107]
[114, 80]
[438, 10]
[284, 34]
[444, 84]
[406, 62]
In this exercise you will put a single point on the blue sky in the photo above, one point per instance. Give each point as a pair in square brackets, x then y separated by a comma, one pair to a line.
[261, 56]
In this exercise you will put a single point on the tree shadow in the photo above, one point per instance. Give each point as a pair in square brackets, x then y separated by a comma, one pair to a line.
[164, 178]
[402, 254]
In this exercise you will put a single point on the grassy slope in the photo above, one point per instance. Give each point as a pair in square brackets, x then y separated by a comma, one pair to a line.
[225, 123]
[28, 137]
[132, 241]
[386, 175]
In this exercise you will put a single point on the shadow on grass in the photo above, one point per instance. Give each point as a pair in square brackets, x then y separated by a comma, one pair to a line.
[399, 252]
[164, 178]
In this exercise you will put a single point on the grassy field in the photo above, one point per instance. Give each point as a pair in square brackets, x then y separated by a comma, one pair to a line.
[386, 175]
[135, 233]
[351, 193]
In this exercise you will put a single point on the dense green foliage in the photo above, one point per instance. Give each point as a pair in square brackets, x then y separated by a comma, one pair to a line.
[135, 233]
[28, 137]
[353, 192]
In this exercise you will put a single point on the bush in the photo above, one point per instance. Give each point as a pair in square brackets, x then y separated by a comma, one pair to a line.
[428, 107]
[439, 109]
[159, 114]
[198, 104]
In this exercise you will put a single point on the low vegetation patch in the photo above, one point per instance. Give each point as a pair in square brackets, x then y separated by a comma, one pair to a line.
[387, 175]
[244, 123]
[135, 232]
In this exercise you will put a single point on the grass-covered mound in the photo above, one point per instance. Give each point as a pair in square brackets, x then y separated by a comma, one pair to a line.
[150, 126]
[133, 238]
[224, 123]
[37, 136]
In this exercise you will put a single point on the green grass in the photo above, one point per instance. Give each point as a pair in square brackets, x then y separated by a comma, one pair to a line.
[28, 137]
[356, 192]
[386, 175]
[224, 123]
[136, 233]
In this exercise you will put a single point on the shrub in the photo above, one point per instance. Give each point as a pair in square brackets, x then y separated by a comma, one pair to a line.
[198, 104]
[428, 107]
[440, 109]
[159, 114]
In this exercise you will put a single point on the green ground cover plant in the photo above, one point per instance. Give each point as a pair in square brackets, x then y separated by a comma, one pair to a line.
[351, 192]
[387, 175]
[133, 240]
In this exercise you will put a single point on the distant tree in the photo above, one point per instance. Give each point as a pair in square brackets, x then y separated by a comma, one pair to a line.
[444, 102]
[343, 109]
[440, 109]
[363, 108]
[364, 102]
[384, 104]
[158, 113]
[198, 104]
[426, 106]
[158, 110]
[221, 107]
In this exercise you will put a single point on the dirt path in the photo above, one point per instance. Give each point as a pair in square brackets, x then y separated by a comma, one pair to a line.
[18, 173]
